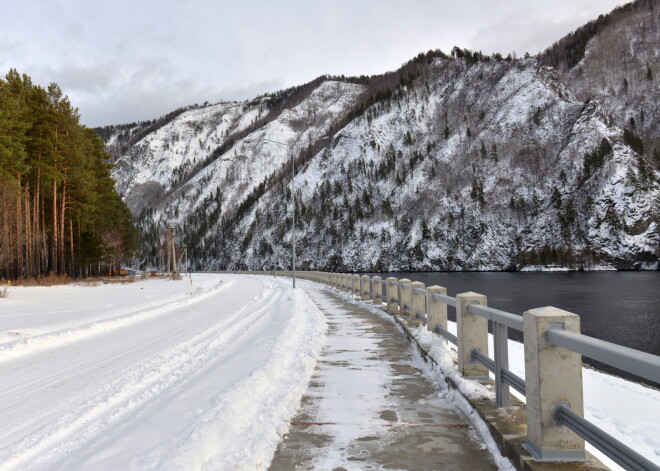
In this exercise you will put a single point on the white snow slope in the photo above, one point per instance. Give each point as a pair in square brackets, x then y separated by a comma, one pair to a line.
[154, 374]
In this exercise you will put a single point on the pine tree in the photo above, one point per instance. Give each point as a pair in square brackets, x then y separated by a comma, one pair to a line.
[493, 153]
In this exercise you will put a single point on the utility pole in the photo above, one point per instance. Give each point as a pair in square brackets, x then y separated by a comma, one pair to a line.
[168, 250]
[293, 219]
[291, 148]
[174, 264]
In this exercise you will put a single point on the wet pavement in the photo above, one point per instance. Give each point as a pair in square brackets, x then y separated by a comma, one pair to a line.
[369, 407]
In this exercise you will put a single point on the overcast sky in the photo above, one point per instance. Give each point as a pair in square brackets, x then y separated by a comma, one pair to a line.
[121, 61]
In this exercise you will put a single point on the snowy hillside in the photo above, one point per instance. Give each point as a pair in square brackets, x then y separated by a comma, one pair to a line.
[394, 192]
[465, 162]
[614, 60]
[163, 158]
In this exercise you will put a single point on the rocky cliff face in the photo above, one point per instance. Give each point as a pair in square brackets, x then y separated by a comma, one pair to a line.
[614, 59]
[461, 163]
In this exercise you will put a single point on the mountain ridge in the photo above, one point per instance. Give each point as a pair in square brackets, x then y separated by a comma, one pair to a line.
[462, 162]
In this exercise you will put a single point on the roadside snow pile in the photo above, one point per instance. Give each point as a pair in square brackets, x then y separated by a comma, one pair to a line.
[240, 429]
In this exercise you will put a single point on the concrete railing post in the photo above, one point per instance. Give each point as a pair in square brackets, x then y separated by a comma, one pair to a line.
[348, 283]
[472, 335]
[405, 296]
[392, 294]
[377, 290]
[437, 311]
[355, 287]
[365, 288]
[552, 375]
[418, 303]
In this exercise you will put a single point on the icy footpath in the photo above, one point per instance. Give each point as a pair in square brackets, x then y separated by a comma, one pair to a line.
[208, 384]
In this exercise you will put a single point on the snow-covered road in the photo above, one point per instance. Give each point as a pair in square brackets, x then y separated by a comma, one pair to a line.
[175, 384]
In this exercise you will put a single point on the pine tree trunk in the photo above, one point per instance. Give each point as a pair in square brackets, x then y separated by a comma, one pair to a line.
[19, 239]
[37, 231]
[71, 264]
[61, 227]
[28, 231]
[45, 268]
[55, 242]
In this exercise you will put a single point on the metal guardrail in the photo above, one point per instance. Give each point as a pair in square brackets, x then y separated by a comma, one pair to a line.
[422, 318]
[638, 363]
[419, 291]
[508, 376]
[443, 298]
[484, 359]
[501, 317]
[446, 334]
[513, 380]
[620, 453]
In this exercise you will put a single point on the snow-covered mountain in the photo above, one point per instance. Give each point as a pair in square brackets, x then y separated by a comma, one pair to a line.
[450, 163]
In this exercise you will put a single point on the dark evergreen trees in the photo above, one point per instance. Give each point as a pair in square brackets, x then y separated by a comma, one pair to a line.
[59, 212]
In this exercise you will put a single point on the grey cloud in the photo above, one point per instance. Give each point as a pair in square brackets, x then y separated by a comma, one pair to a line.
[145, 102]
[124, 61]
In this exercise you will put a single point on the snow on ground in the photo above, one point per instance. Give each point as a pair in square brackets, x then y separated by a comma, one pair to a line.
[30, 311]
[628, 411]
[160, 374]
[175, 377]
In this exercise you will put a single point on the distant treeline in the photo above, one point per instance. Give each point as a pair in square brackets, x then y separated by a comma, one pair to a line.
[59, 212]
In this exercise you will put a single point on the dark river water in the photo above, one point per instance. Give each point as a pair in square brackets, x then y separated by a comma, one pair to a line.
[620, 307]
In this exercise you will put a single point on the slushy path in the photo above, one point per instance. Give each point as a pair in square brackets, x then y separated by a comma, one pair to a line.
[368, 407]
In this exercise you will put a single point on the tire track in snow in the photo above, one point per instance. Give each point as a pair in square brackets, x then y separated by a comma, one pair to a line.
[135, 388]
[242, 427]
[11, 350]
